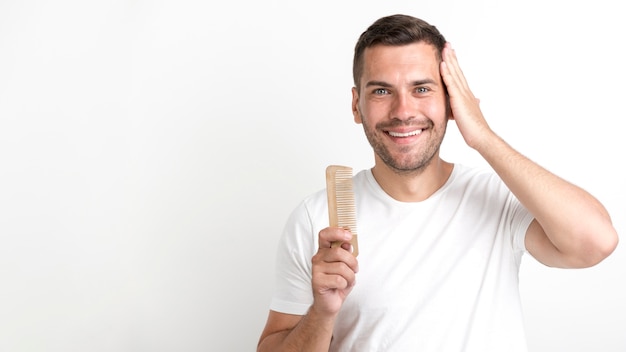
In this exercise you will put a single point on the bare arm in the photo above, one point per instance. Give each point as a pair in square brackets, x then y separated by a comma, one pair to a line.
[334, 272]
[285, 332]
[571, 229]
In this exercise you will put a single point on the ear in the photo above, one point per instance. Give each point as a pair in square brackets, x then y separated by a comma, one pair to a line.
[355, 106]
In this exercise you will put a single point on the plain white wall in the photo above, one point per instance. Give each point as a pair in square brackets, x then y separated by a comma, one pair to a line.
[150, 152]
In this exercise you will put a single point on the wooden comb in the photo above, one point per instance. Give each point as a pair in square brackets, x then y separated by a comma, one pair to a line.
[341, 205]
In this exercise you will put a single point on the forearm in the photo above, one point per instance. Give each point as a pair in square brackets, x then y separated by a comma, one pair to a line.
[574, 228]
[313, 333]
[573, 220]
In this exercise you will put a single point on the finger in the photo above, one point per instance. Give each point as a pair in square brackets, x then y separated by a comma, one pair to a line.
[451, 63]
[345, 245]
[331, 235]
[447, 65]
[449, 57]
[330, 256]
[333, 276]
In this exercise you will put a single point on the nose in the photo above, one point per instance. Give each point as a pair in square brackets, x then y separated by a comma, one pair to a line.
[403, 107]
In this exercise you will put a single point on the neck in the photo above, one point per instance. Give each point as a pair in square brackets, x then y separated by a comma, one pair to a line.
[412, 186]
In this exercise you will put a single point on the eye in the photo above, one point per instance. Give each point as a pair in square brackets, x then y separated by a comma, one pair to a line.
[422, 90]
[380, 91]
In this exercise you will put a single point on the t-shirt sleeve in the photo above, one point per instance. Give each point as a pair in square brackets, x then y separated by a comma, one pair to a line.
[519, 220]
[293, 294]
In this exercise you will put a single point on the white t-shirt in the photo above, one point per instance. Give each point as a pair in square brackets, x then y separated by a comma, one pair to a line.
[437, 275]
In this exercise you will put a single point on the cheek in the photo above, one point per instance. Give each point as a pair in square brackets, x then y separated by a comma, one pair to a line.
[438, 111]
[361, 113]
[373, 110]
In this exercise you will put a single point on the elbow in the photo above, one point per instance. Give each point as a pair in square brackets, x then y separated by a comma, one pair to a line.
[597, 248]
[608, 246]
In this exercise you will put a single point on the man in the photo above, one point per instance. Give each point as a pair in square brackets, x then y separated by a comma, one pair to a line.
[440, 243]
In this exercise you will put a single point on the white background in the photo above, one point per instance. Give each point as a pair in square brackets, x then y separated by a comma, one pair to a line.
[150, 152]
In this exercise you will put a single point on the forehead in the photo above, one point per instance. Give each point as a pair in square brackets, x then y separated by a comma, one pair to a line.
[411, 59]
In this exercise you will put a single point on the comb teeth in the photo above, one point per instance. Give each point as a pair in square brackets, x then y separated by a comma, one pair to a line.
[341, 203]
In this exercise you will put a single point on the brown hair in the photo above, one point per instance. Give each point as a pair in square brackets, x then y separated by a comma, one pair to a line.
[395, 30]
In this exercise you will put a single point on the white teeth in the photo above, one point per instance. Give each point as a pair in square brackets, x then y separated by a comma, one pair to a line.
[407, 134]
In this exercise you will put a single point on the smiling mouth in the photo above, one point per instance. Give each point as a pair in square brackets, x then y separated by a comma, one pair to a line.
[404, 134]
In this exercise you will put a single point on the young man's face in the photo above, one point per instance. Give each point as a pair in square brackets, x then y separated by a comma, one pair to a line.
[402, 105]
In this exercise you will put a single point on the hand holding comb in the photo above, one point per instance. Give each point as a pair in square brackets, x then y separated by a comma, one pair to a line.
[341, 204]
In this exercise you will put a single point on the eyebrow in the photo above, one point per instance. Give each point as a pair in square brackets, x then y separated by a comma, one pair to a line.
[387, 85]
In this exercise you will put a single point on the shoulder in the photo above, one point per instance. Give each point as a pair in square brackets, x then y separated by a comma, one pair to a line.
[480, 187]
[314, 207]
[472, 173]
[474, 178]
[309, 214]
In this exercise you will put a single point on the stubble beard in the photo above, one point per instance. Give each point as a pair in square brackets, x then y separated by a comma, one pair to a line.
[408, 161]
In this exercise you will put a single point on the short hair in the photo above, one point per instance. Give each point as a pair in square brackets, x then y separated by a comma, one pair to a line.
[395, 30]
